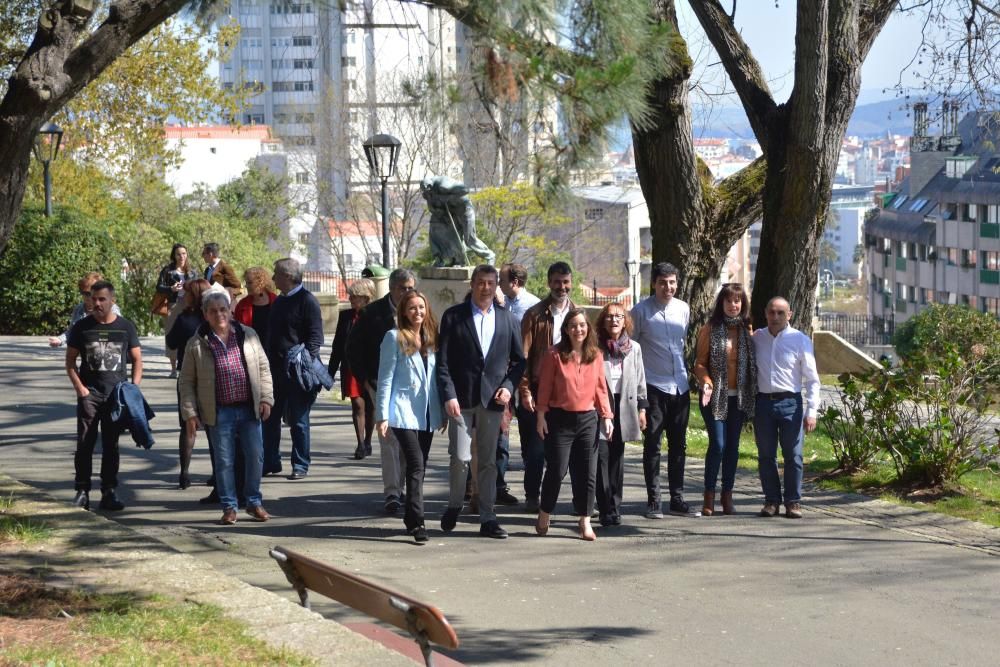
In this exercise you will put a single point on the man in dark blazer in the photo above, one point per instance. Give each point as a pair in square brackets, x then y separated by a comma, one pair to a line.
[479, 363]
[363, 345]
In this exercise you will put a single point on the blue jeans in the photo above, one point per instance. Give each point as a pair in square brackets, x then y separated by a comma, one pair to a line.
[294, 406]
[779, 421]
[237, 425]
[723, 445]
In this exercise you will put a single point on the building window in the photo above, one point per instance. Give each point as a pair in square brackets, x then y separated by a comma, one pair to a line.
[594, 214]
[926, 296]
[254, 119]
[993, 214]
[968, 258]
[374, 258]
[253, 64]
[303, 85]
[302, 40]
[346, 261]
[348, 61]
[305, 117]
[991, 260]
[278, 63]
[282, 86]
[990, 304]
[304, 240]
[971, 212]
[922, 252]
[302, 177]
[969, 300]
[953, 257]
[900, 291]
[302, 63]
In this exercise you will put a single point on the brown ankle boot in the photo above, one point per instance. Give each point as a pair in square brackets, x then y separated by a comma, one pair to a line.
[708, 507]
[727, 502]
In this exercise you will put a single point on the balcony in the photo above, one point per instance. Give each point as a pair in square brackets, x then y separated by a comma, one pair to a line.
[989, 230]
[988, 277]
[901, 264]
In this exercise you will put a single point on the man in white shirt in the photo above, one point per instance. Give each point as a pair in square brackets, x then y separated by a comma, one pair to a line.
[660, 324]
[785, 364]
[512, 280]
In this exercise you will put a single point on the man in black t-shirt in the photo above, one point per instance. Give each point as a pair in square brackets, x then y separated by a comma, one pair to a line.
[103, 342]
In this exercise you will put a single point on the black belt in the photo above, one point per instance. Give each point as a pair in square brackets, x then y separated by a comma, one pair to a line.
[778, 395]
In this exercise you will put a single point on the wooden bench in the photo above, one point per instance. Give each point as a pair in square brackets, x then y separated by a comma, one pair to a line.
[424, 622]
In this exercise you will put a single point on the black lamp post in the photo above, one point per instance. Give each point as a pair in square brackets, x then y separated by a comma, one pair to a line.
[382, 151]
[46, 149]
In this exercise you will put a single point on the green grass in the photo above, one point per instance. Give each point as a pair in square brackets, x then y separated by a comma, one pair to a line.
[976, 497]
[6, 503]
[124, 629]
[20, 529]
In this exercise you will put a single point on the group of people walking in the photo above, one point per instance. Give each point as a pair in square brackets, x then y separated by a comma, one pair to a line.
[579, 390]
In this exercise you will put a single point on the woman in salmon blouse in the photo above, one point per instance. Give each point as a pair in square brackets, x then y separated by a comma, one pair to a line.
[726, 370]
[572, 404]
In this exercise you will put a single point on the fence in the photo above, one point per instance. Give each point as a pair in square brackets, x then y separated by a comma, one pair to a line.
[859, 330]
[330, 282]
[599, 299]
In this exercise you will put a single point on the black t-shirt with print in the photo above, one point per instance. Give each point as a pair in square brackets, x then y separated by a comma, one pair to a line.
[103, 351]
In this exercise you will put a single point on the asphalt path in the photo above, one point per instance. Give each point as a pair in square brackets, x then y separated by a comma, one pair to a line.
[842, 586]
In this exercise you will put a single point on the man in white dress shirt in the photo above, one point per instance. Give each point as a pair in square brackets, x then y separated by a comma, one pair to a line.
[660, 324]
[785, 365]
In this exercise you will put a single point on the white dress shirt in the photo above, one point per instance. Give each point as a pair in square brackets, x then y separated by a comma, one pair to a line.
[558, 316]
[485, 322]
[786, 363]
[660, 331]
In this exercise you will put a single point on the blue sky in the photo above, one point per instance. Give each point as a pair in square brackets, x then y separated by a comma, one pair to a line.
[770, 32]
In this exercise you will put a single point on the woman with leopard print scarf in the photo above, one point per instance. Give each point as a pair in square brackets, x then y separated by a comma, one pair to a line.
[727, 375]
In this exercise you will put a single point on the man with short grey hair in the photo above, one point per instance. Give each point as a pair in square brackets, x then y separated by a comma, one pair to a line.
[363, 346]
[295, 318]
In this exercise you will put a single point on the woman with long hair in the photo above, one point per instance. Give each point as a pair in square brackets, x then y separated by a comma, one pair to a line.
[170, 286]
[360, 293]
[185, 325]
[572, 397]
[626, 380]
[253, 309]
[407, 399]
[726, 370]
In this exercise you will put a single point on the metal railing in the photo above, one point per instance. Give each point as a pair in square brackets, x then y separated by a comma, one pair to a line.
[329, 282]
[859, 329]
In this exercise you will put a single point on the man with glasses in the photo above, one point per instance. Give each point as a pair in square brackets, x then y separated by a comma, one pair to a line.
[363, 346]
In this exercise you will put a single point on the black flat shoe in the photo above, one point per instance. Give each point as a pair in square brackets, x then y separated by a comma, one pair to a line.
[419, 534]
[184, 481]
[82, 500]
[450, 518]
[210, 499]
[492, 529]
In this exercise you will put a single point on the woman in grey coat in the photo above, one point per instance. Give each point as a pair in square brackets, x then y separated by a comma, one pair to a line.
[626, 380]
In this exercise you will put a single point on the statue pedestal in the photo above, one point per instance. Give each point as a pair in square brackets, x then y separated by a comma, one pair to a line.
[444, 286]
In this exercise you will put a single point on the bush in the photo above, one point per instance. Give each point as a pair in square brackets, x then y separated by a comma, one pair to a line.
[936, 331]
[42, 264]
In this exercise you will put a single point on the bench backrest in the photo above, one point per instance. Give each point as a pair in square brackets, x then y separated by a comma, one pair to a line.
[377, 601]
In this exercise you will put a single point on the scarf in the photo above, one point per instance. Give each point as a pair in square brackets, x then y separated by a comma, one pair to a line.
[746, 369]
[619, 349]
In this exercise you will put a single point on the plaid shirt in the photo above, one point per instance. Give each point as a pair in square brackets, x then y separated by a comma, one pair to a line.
[231, 384]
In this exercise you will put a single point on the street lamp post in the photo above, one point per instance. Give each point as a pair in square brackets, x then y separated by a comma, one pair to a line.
[382, 151]
[46, 148]
[632, 267]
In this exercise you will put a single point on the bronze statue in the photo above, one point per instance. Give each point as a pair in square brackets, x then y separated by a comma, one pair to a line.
[453, 223]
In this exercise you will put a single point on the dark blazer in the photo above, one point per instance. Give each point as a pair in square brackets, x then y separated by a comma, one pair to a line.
[338, 353]
[366, 336]
[462, 371]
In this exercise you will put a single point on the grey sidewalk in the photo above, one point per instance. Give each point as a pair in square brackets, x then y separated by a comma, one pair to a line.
[856, 582]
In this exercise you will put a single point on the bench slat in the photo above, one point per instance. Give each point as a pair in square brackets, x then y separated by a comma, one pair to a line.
[371, 599]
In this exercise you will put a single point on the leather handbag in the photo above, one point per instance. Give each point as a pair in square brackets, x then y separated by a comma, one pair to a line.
[161, 305]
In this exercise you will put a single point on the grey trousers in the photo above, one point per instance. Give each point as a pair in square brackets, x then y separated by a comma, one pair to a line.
[393, 468]
[486, 426]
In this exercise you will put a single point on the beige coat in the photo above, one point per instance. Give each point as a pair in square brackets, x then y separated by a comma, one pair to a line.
[197, 380]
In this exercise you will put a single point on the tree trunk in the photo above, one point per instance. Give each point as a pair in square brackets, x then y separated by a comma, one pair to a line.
[61, 60]
[693, 222]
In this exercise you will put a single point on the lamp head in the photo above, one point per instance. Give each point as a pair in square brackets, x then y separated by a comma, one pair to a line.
[382, 151]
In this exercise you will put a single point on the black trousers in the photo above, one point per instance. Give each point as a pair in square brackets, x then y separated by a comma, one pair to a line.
[666, 413]
[611, 469]
[93, 412]
[571, 443]
[415, 446]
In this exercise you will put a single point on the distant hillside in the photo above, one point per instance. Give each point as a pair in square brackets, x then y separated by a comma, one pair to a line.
[868, 120]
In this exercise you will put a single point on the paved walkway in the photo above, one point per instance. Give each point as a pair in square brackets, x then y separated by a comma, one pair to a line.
[856, 582]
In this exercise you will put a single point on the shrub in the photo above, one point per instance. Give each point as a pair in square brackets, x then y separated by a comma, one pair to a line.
[936, 331]
[854, 442]
[42, 264]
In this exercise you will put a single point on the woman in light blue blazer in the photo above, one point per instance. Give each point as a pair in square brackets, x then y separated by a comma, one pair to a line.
[407, 398]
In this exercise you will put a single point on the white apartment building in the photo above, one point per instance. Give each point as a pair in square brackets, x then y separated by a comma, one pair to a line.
[213, 155]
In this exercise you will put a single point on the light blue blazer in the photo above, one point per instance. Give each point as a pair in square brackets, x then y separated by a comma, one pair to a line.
[405, 389]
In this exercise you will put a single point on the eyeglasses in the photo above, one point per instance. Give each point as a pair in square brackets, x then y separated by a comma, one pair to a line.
[616, 316]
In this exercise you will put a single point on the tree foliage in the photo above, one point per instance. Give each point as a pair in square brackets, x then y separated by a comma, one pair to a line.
[940, 328]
